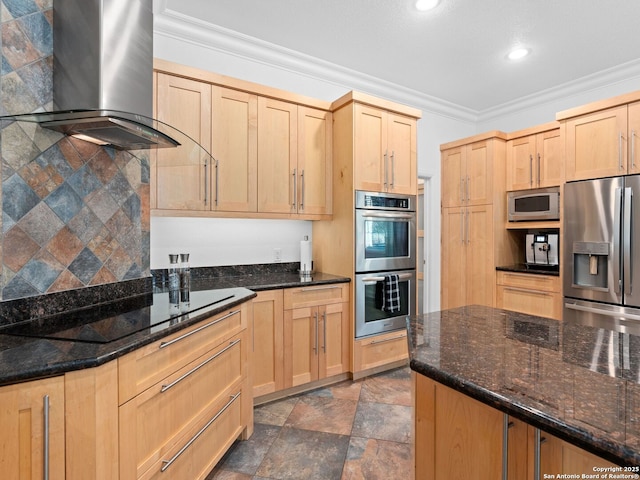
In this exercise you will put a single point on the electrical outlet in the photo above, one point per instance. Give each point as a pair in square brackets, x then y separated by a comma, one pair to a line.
[277, 255]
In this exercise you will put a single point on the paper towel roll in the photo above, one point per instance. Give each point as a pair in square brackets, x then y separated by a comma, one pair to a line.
[305, 256]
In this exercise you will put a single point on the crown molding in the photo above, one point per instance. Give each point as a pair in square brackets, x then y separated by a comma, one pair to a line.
[172, 24]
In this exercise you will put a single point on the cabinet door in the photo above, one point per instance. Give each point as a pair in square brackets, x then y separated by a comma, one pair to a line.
[314, 161]
[268, 343]
[334, 341]
[453, 173]
[182, 177]
[301, 345]
[401, 148]
[453, 291]
[520, 163]
[634, 142]
[550, 158]
[479, 173]
[277, 151]
[479, 271]
[22, 431]
[596, 144]
[235, 148]
[370, 149]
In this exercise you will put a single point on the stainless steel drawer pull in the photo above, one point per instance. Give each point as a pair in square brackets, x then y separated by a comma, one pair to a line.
[313, 289]
[167, 463]
[388, 339]
[182, 337]
[195, 369]
[45, 452]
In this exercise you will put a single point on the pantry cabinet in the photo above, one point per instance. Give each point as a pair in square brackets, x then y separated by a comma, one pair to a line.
[316, 333]
[32, 430]
[385, 151]
[602, 138]
[535, 158]
[473, 216]
[456, 434]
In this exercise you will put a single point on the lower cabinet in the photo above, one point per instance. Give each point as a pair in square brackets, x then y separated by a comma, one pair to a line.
[316, 333]
[456, 434]
[379, 351]
[529, 293]
[32, 433]
[267, 343]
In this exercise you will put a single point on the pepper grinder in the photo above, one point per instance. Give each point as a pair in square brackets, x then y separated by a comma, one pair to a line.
[174, 285]
[185, 282]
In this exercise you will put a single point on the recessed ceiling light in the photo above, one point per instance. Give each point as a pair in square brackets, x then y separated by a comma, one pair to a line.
[518, 53]
[424, 5]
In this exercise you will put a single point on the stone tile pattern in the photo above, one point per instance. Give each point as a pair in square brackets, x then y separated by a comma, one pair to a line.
[73, 214]
[351, 431]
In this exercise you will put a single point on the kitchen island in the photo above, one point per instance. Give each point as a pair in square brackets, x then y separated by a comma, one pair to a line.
[509, 395]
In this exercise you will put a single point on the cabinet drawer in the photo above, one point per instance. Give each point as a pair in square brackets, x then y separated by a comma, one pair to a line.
[533, 302]
[196, 452]
[148, 365]
[313, 296]
[380, 350]
[546, 283]
[151, 423]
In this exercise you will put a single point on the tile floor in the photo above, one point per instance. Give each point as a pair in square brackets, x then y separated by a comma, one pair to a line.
[348, 431]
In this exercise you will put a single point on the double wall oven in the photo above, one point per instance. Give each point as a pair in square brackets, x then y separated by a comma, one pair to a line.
[385, 238]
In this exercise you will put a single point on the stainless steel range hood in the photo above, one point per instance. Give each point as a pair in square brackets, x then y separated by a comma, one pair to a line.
[103, 74]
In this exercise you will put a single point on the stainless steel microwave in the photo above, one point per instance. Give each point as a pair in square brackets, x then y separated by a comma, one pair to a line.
[537, 204]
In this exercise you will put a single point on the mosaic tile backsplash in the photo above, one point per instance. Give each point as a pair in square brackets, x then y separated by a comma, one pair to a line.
[73, 214]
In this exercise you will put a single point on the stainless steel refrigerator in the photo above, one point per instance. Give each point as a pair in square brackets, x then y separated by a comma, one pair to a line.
[601, 253]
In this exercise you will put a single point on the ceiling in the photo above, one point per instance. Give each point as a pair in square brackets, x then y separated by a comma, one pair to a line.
[456, 52]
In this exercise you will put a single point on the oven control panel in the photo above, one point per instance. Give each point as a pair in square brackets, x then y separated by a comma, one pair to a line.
[385, 201]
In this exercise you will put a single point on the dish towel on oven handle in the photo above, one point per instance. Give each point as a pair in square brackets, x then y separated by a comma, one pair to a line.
[391, 297]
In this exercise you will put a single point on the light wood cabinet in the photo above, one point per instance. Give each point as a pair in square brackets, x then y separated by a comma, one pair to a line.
[268, 342]
[181, 174]
[379, 350]
[270, 156]
[473, 214]
[32, 430]
[528, 293]
[456, 434]
[602, 138]
[385, 151]
[316, 333]
[535, 160]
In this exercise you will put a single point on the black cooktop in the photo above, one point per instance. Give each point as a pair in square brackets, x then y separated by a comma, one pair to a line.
[115, 320]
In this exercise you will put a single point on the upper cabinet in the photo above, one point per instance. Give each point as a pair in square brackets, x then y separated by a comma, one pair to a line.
[535, 158]
[385, 151]
[271, 149]
[602, 138]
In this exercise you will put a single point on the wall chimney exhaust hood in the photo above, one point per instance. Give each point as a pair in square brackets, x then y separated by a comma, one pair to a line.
[103, 76]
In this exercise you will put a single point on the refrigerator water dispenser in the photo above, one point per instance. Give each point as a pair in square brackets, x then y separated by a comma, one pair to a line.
[590, 265]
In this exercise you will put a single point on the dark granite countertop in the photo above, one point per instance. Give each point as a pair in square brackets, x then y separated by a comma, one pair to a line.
[533, 269]
[577, 382]
[91, 336]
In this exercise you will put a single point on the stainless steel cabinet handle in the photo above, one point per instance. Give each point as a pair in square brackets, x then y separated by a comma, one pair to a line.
[206, 183]
[393, 169]
[530, 170]
[468, 234]
[620, 166]
[388, 339]
[167, 463]
[468, 189]
[45, 446]
[295, 190]
[182, 337]
[386, 174]
[461, 189]
[315, 342]
[539, 163]
[536, 454]
[313, 289]
[198, 367]
[217, 184]
[302, 196]
[324, 332]
[632, 154]
[462, 226]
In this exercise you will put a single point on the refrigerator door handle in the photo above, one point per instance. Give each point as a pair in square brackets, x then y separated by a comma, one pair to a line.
[626, 241]
[617, 279]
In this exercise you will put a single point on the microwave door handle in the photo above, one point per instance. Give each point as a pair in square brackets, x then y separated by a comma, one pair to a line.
[626, 241]
[617, 214]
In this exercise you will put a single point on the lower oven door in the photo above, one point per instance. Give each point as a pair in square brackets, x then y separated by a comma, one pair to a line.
[371, 317]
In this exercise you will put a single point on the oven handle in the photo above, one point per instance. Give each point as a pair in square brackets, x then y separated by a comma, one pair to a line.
[401, 276]
[374, 214]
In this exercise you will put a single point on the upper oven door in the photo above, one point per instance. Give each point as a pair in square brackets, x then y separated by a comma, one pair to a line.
[385, 240]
